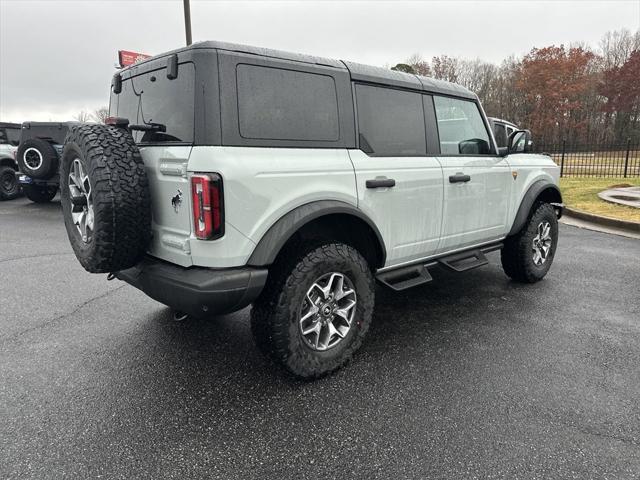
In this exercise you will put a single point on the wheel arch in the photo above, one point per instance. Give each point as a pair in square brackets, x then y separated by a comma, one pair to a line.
[540, 190]
[8, 162]
[322, 219]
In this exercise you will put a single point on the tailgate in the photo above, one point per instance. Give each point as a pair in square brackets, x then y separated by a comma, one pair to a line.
[169, 186]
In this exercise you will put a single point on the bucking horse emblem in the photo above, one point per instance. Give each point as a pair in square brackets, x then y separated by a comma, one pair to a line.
[176, 201]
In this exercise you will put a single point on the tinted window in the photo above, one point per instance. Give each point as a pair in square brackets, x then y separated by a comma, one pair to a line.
[279, 104]
[10, 135]
[460, 127]
[390, 122]
[153, 98]
[500, 133]
[510, 131]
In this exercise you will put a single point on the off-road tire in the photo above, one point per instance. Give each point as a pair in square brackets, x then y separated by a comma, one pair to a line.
[517, 254]
[48, 166]
[119, 194]
[40, 193]
[275, 314]
[9, 186]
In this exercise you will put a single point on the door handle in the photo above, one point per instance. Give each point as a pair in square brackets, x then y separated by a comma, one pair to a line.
[459, 177]
[380, 183]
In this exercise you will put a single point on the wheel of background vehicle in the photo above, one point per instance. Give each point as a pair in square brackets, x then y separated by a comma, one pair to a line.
[315, 310]
[40, 193]
[9, 186]
[105, 197]
[528, 255]
[37, 158]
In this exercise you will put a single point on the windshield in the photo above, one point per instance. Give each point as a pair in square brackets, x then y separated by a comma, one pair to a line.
[153, 98]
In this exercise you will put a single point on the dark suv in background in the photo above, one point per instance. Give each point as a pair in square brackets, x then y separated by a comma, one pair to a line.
[38, 159]
[502, 130]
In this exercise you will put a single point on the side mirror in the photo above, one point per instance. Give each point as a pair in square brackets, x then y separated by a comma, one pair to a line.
[520, 141]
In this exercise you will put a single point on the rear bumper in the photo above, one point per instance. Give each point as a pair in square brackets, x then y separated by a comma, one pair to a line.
[197, 291]
[24, 179]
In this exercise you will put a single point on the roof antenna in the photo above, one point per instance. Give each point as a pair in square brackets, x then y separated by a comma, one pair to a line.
[187, 21]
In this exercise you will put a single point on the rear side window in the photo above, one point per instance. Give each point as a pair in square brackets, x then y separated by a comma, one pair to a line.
[461, 128]
[280, 104]
[390, 122]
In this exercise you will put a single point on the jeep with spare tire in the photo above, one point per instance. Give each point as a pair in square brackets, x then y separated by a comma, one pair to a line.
[38, 158]
[229, 176]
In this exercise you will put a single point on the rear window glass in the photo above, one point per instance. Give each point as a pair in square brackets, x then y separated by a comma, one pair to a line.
[279, 104]
[56, 132]
[390, 122]
[153, 98]
[10, 135]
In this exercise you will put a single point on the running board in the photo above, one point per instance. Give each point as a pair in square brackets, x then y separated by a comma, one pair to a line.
[413, 275]
[461, 262]
[404, 278]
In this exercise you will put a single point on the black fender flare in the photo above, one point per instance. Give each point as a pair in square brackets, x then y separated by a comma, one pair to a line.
[280, 232]
[529, 199]
[8, 162]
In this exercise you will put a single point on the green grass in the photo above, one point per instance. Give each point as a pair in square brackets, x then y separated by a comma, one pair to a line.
[581, 193]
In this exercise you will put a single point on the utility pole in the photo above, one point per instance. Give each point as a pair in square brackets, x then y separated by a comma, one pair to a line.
[187, 21]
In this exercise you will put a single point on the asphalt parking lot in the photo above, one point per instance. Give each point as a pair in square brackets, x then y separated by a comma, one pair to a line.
[471, 376]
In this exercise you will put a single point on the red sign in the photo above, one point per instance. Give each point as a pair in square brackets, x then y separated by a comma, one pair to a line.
[127, 58]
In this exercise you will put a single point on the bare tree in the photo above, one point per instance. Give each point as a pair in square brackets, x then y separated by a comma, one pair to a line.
[82, 117]
[617, 46]
[445, 68]
[100, 114]
[420, 65]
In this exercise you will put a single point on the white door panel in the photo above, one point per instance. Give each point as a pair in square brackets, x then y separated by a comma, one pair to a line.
[475, 211]
[409, 214]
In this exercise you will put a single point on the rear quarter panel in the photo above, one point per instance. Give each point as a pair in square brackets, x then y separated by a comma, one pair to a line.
[263, 184]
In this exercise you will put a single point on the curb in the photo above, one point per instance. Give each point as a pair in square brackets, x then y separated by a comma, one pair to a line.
[605, 221]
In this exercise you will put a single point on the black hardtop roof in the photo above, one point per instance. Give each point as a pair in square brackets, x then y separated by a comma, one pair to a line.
[9, 125]
[358, 72]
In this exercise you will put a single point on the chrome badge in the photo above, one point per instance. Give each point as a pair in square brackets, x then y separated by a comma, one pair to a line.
[176, 201]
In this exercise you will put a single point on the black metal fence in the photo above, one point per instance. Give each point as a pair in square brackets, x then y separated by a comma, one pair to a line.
[594, 160]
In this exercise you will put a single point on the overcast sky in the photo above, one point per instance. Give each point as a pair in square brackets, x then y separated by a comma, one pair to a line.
[57, 57]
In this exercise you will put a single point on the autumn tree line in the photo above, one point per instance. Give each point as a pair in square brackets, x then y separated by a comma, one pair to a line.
[575, 92]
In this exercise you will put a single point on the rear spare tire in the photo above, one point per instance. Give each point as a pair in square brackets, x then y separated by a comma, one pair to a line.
[37, 158]
[105, 197]
[40, 193]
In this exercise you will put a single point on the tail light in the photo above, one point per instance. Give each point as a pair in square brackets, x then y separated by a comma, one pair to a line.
[208, 206]
[118, 122]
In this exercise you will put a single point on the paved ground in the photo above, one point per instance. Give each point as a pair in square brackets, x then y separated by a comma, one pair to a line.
[471, 376]
[598, 227]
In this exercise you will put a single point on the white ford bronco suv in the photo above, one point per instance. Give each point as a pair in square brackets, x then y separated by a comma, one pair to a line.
[230, 175]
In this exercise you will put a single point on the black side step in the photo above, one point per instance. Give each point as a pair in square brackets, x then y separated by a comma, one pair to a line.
[461, 262]
[404, 278]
